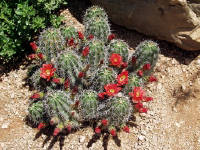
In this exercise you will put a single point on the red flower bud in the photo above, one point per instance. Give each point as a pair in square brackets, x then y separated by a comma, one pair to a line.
[91, 37]
[67, 83]
[102, 95]
[147, 67]
[40, 55]
[104, 122]
[147, 99]
[56, 131]
[69, 128]
[71, 42]
[40, 126]
[56, 80]
[81, 74]
[86, 51]
[80, 35]
[124, 65]
[35, 96]
[152, 79]
[32, 56]
[126, 129]
[33, 46]
[133, 60]
[140, 73]
[111, 37]
[143, 110]
[113, 132]
[97, 130]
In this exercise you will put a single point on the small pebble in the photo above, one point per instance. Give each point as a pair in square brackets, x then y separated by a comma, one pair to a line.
[5, 125]
[82, 139]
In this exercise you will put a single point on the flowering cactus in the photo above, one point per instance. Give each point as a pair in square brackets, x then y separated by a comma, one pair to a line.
[89, 77]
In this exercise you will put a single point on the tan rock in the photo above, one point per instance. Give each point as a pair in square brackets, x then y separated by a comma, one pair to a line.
[176, 21]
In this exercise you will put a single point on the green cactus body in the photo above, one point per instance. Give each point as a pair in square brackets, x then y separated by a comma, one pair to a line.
[119, 47]
[120, 111]
[36, 112]
[88, 104]
[146, 52]
[50, 43]
[70, 33]
[94, 12]
[98, 27]
[96, 54]
[133, 81]
[70, 66]
[103, 76]
[59, 105]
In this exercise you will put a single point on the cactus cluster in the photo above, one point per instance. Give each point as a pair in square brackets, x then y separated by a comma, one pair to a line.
[89, 77]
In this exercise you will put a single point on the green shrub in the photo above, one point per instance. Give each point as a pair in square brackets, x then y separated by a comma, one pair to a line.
[21, 19]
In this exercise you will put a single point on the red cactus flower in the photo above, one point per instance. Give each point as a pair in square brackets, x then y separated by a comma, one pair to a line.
[40, 55]
[113, 132]
[126, 129]
[104, 122]
[137, 94]
[86, 51]
[133, 60]
[102, 95]
[116, 60]
[81, 74]
[90, 37]
[80, 35]
[32, 56]
[112, 89]
[71, 42]
[152, 79]
[147, 67]
[122, 78]
[33, 46]
[56, 131]
[41, 126]
[56, 80]
[67, 83]
[111, 37]
[147, 99]
[35, 96]
[140, 73]
[97, 130]
[124, 65]
[47, 71]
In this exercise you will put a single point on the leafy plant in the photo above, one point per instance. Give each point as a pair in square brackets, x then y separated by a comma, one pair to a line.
[21, 19]
[89, 77]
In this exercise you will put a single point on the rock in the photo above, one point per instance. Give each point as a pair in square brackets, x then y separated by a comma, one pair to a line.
[82, 139]
[176, 21]
[5, 125]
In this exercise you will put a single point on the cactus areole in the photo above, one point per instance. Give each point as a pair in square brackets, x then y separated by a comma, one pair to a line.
[89, 76]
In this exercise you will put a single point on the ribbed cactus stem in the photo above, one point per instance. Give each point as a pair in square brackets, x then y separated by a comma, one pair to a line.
[146, 53]
[94, 12]
[103, 76]
[99, 28]
[36, 112]
[120, 111]
[50, 43]
[89, 104]
[119, 47]
[70, 66]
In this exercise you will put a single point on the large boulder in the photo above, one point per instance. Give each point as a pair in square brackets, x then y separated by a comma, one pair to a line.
[176, 21]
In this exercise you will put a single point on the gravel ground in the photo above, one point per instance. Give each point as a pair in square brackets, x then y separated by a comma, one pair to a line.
[172, 122]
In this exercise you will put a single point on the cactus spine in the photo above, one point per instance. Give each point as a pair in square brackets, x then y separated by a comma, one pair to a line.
[36, 112]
